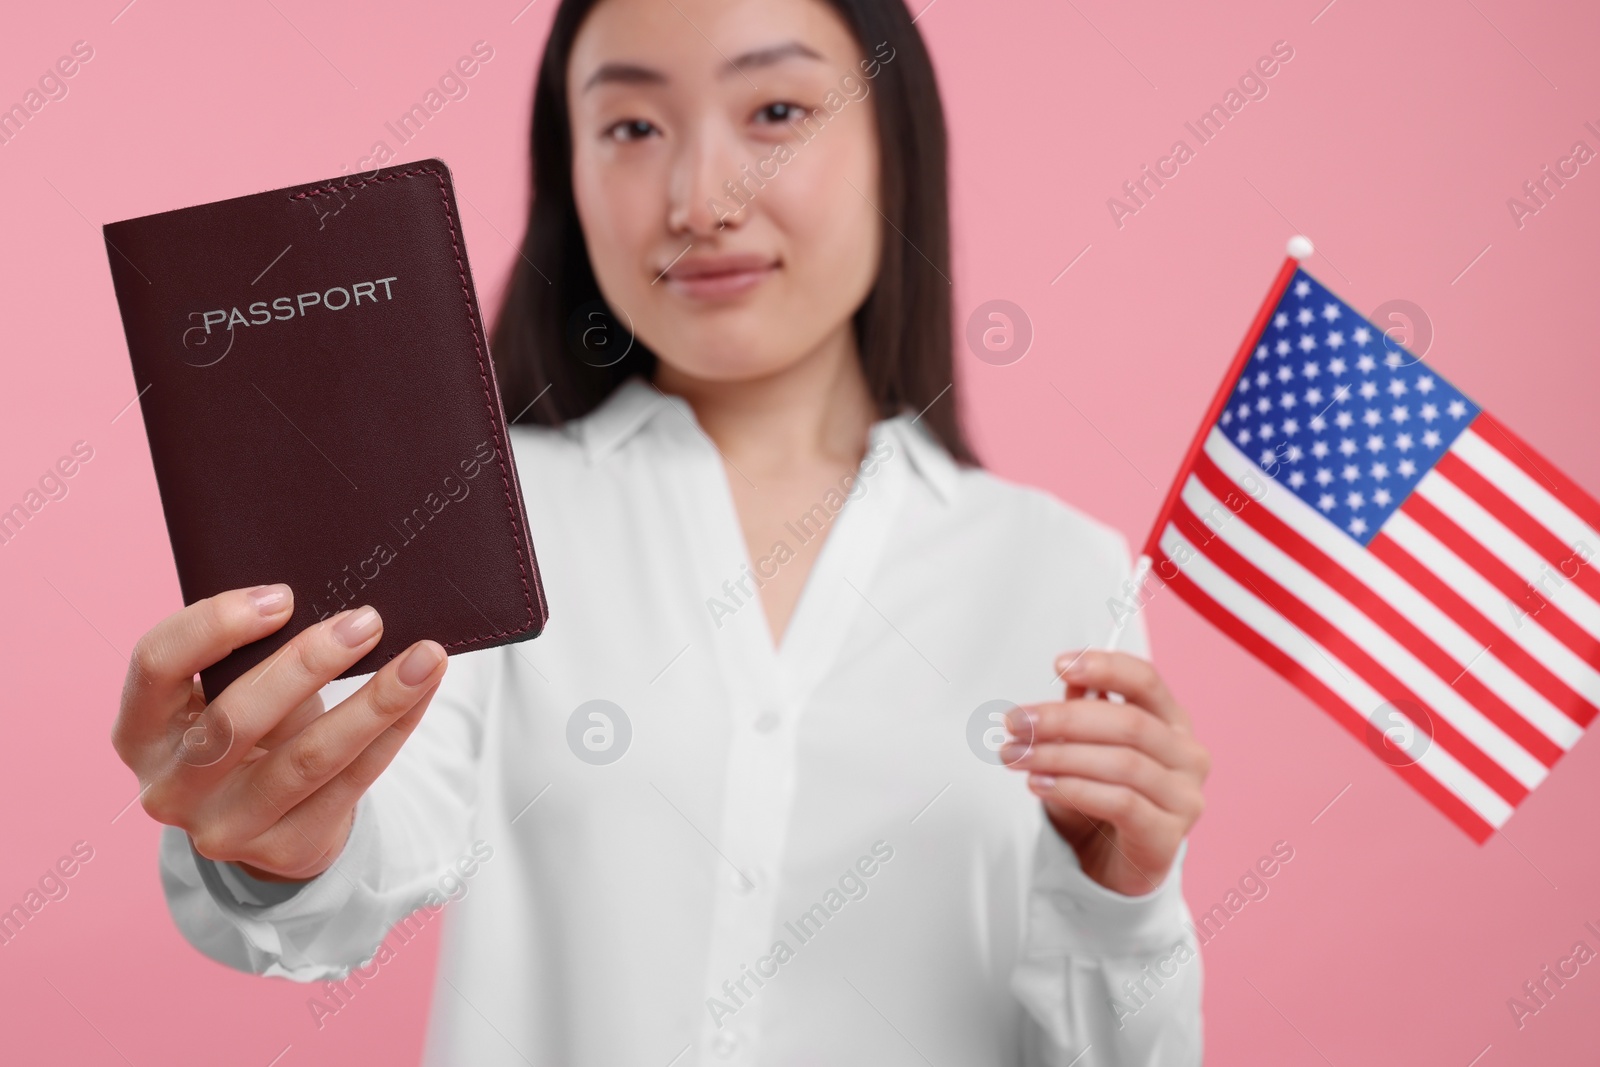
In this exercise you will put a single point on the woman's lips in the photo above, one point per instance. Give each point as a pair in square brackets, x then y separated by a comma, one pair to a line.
[713, 283]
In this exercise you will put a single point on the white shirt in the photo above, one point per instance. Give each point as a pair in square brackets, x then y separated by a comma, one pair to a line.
[794, 856]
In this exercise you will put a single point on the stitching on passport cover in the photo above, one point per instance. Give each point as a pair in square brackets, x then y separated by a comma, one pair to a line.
[501, 446]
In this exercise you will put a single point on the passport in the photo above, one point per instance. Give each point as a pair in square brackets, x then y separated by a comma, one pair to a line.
[321, 409]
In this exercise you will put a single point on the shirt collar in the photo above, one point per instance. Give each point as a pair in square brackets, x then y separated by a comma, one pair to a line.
[631, 406]
[930, 458]
[636, 404]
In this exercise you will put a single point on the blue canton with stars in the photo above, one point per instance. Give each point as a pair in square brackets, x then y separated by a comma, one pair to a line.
[1338, 412]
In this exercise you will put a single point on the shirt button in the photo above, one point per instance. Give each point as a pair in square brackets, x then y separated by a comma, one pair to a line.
[768, 721]
[725, 1044]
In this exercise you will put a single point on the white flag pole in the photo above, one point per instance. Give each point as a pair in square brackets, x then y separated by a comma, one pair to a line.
[1141, 570]
[1299, 247]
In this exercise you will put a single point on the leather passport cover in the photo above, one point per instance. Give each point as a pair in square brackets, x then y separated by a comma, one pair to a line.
[321, 409]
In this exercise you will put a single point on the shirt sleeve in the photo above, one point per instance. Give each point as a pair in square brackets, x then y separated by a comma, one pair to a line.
[409, 828]
[1105, 979]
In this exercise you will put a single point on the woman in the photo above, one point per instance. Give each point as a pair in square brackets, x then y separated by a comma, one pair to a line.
[742, 801]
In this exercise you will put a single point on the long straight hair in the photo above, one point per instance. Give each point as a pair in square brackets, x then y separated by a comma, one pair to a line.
[553, 322]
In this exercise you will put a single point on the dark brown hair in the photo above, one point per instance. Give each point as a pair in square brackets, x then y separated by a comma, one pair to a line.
[553, 322]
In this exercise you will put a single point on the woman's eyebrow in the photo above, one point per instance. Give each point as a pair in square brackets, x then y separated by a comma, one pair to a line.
[638, 74]
[766, 57]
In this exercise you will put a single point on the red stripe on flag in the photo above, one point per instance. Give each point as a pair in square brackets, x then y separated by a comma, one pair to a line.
[1383, 614]
[1324, 632]
[1340, 710]
[1535, 466]
[1506, 649]
[1511, 514]
[1501, 576]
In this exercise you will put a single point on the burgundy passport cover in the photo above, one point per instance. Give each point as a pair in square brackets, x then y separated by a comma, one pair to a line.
[322, 411]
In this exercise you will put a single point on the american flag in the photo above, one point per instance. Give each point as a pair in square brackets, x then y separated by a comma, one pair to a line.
[1368, 532]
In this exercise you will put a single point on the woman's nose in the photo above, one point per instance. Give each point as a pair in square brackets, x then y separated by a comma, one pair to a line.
[699, 202]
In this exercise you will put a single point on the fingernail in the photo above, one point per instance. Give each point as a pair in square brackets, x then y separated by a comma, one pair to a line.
[1041, 781]
[418, 663]
[1020, 720]
[1012, 751]
[1076, 665]
[270, 599]
[356, 627]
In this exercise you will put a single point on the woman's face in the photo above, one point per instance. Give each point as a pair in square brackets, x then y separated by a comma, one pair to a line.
[725, 168]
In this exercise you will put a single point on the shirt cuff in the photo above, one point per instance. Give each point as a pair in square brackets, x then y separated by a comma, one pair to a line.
[257, 907]
[247, 889]
[1073, 914]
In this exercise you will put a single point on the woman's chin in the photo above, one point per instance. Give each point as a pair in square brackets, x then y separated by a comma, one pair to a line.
[727, 361]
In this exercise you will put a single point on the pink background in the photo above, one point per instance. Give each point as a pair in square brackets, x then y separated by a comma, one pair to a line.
[1394, 138]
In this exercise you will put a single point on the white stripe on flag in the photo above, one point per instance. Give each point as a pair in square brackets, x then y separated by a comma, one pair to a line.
[1316, 661]
[1476, 590]
[1372, 572]
[1528, 565]
[1435, 692]
[1535, 499]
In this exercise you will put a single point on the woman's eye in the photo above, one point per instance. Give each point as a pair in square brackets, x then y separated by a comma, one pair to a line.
[781, 112]
[630, 130]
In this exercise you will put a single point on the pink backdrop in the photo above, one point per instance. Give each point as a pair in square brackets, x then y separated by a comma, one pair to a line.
[1393, 137]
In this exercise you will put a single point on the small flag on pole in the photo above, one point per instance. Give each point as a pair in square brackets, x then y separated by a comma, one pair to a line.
[1371, 534]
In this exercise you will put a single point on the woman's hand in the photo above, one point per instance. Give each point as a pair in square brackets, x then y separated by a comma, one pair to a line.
[261, 776]
[1120, 781]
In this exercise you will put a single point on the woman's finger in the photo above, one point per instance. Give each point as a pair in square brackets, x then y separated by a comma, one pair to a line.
[1116, 765]
[298, 719]
[164, 662]
[340, 793]
[330, 743]
[1122, 672]
[263, 696]
[293, 848]
[1102, 722]
[1134, 815]
[1066, 662]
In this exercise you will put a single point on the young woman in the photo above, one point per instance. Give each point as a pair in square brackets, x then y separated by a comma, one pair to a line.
[742, 802]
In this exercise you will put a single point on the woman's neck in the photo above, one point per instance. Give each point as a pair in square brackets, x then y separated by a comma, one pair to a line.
[817, 408]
